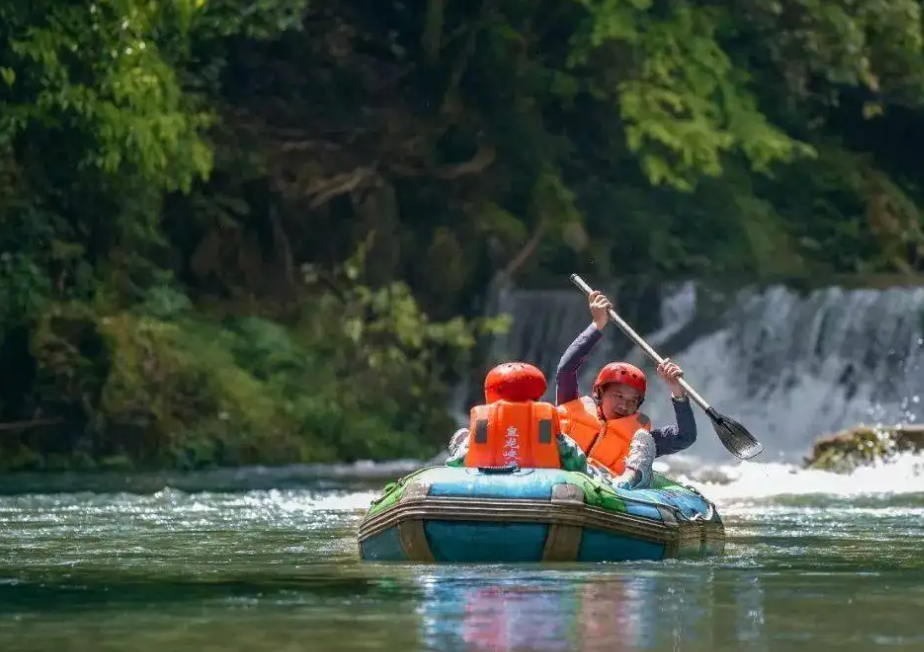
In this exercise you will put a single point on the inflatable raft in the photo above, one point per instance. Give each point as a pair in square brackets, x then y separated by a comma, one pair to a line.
[448, 514]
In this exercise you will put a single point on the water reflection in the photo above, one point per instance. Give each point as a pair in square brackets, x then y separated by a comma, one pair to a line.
[749, 612]
[474, 615]
[511, 618]
[625, 609]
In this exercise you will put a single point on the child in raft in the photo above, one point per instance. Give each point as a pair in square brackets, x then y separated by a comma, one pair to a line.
[521, 382]
[518, 382]
[618, 393]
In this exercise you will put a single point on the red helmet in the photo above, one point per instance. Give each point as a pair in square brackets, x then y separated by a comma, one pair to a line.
[514, 381]
[621, 372]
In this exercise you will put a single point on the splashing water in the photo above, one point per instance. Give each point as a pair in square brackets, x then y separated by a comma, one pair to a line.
[814, 560]
[726, 484]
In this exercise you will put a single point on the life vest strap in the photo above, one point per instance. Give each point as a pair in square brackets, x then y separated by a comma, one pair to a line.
[545, 431]
[481, 431]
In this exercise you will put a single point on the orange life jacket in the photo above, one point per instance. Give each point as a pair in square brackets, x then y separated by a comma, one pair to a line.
[507, 433]
[606, 442]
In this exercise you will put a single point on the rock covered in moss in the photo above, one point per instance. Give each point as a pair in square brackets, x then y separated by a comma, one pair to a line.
[863, 445]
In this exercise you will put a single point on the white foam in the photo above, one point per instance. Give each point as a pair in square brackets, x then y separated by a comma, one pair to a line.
[737, 481]
[345, 502]
[750, 480]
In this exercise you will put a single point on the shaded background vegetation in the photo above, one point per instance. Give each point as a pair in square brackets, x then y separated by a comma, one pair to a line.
[259, 231]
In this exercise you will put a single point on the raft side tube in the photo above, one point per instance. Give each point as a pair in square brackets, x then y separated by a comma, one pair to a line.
[448, 514]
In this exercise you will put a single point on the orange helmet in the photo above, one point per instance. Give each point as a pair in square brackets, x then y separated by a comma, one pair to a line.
[514, 381]
[621, 372]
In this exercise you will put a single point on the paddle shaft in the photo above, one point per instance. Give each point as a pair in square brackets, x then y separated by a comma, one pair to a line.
[635, 337]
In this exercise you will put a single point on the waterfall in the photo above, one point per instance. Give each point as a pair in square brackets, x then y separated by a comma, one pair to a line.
[790, 365]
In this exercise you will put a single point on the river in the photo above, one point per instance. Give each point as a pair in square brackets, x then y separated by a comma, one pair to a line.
[266, 561]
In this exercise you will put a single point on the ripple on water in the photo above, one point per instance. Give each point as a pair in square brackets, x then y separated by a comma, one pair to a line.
[276, 569]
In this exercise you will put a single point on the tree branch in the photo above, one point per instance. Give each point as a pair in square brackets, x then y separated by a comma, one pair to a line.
[35, 423]
[431, 39]
[324, 190]
[528, 249]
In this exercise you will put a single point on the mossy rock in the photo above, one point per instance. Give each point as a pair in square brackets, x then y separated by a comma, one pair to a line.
[862, 446]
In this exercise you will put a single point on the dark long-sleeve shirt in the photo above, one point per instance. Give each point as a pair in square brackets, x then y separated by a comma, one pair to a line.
[669, 439]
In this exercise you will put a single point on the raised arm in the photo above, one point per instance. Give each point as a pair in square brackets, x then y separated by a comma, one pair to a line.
[566, 376]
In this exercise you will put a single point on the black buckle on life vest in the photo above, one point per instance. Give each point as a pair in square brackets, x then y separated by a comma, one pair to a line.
[499, 470]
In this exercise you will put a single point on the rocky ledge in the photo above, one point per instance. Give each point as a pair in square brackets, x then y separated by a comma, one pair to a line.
[863, 445]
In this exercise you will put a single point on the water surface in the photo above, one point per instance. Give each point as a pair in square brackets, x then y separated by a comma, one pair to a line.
[827, 564]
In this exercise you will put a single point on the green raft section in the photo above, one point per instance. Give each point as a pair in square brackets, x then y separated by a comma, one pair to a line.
[449, 514]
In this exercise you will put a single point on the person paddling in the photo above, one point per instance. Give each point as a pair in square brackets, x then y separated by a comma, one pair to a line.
[607, 425]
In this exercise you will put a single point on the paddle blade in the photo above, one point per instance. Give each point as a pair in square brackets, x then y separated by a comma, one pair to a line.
[735, 437]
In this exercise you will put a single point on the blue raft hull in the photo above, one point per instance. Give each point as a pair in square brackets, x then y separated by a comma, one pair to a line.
[445, 514]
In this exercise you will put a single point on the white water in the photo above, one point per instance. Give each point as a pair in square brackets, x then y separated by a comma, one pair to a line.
[791, 367]
[739, 481]
[734, 486]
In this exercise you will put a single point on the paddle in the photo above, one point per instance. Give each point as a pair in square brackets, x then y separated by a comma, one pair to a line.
[735, 437]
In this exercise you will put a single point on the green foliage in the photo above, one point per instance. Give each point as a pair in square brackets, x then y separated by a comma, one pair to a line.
[184, 187]
[98, 75]
[684, 101]
[355, 376]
